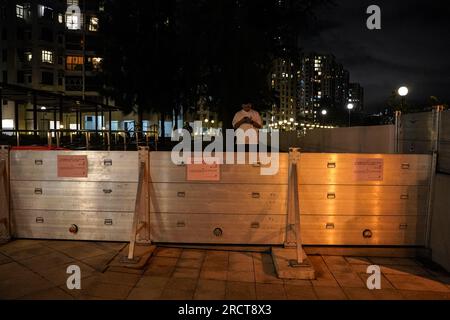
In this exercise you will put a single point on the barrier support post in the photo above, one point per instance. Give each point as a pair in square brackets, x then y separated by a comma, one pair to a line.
[291, 261]
[5, 226]
[140, 231]
[437, 112]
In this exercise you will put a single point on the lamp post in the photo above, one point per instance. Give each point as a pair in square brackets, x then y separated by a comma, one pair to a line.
[403, 92]
[324, 113]
[350, 107]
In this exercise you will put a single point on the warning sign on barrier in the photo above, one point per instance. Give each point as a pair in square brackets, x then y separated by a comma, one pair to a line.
[203, 172]
[72, 166]
[368, 169]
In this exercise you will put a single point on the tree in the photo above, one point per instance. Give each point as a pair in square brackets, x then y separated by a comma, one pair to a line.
[163, 54]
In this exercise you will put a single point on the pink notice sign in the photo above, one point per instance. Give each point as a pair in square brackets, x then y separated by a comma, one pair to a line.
[72, 167]
[203, 172]
[368, 169]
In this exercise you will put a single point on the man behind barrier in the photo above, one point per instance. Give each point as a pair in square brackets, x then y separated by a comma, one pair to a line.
[247, 120]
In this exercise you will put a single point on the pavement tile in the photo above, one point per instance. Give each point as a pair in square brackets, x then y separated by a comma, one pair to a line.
[187, 273]
[330, 293]
[394, 261]
[300, 292]
[359, 268]
[47, 261]
[212, 274]
[241, 276]
[193, 254]
[167, 252]
[263, 258]
[85, 283]
[337, 264]
[324, 277]
[241, 257]
[119, 278]
[267, 274]
[179, 289]
[267, 291]
[296, 282]
[62, 245]
[359, 294]
[19, 245]
[217, 254]
[387, 294]
[385, 284]
[240, 291]
[25, 284]
[210, 290]
[152, 282]
[58, 275]
[84, 251]
[349, 280]
[126, 270]
[404, 270]
[108, 290]
[358, 260]
[416, 283]
[111, 246]
[162, 271]
[13, 270]
[4, 259]
[162, 261]
[241, 265]
[28, 252]
[189, 263]
[424, 295]
[49, 294]
[146, 293]
[100, 262]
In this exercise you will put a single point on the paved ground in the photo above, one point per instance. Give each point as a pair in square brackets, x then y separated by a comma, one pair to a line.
[37, 270]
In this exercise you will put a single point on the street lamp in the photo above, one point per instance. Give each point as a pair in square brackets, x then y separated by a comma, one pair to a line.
[350, 107]
[403, 92]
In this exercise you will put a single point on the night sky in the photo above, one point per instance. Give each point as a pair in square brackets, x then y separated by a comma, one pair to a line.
[412, 48]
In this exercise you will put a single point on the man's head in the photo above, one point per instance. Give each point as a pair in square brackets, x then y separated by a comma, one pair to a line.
[247, 106]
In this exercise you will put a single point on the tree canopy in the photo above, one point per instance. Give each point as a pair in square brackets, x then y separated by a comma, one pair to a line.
[161, 54]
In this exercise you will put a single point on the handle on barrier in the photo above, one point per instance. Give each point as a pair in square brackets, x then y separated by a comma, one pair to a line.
[107, 191]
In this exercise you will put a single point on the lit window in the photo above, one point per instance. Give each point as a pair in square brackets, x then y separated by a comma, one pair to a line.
[74, 63]
[93, 24]
[28, 56]
[44, 11]
[72, 21]
[96, 63]
[19, 11]
[8, 124]
[47, 56]
[60, 18]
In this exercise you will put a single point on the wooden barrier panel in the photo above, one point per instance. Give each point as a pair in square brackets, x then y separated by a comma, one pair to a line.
[53, 195]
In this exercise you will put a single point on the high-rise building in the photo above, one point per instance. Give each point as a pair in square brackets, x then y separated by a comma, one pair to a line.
[356, 96]
[54, 46]
[323, 86]
[284, 82]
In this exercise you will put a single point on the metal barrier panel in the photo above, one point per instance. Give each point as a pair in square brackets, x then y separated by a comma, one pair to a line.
[444, 143]
[416, 133]
[344, 199]
[364, 199]
[52, 200]
[242, 207]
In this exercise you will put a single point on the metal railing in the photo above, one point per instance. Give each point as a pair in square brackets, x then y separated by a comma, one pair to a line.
[81, 139]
